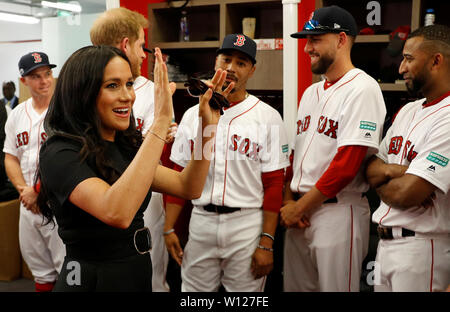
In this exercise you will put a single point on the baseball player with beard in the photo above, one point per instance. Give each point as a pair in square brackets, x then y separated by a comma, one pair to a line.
[41, 247]
[124, 29]
[339, 125]
[233, 223]
[411, 173]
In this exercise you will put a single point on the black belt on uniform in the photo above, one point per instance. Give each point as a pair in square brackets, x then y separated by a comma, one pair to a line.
[220, 209]
[332, 200]
[386, 232]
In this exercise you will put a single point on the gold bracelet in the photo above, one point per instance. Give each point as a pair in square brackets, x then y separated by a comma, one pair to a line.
[157, 136]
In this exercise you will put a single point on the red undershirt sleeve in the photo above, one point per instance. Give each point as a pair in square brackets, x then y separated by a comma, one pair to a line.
[342, 169]
[273, 190]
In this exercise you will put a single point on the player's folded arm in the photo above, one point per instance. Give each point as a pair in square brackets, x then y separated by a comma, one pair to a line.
[406, 191]
[378, 172]
[427, 172]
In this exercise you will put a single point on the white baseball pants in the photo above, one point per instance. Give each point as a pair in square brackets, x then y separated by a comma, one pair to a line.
[328, 255]
[219, 251]
[418, 264]
[41, 247]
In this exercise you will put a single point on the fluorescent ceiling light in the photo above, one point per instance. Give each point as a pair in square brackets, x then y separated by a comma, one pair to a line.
[62, 6]
[18, 18]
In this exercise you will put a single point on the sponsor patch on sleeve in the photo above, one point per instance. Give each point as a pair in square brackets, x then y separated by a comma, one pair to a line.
[367, 125]
[438, 159]
[285, 148]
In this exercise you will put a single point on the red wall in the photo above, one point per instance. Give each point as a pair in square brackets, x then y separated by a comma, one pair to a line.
[305, 8]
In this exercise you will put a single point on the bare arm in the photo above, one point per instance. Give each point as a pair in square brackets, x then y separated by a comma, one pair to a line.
[189, 183]
[27, 195]
[293, 213]
[14, 172]
[378, 172]
[406, 191]
[287, 195]
[262, 260]
[172, 241]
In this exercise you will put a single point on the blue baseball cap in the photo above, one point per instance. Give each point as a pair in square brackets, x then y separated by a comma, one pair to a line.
[33, 60]
[332, 19]
[241, 43]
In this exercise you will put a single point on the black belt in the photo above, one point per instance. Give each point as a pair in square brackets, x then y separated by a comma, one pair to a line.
[220, 209]
[138, 243]
[386, 232]
[332, 200]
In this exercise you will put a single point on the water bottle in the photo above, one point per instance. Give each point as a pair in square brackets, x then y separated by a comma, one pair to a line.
[184, 29]
[429, 17]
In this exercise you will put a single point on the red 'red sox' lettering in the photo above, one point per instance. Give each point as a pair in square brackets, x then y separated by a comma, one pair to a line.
[43, 137]
[332, 127]
[140, 124]
[245, 147]
[408, 152]
[395, 145]
[22, 139]
[303, 125]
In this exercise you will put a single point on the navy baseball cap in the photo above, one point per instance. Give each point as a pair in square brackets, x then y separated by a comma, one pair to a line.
[33, 60]
[332, 19]
[241, 43]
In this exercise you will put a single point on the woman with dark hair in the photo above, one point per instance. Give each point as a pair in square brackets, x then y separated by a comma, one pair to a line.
[96, 171]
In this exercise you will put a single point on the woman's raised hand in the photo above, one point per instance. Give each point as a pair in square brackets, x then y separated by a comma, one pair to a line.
[163, 91]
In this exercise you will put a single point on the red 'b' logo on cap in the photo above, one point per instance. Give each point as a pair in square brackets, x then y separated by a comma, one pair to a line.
[37, 57]
[240, 40]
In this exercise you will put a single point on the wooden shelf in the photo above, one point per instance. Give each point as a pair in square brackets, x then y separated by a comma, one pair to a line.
[372, 38]
[209, 22]
[392, 86]
[186, 45]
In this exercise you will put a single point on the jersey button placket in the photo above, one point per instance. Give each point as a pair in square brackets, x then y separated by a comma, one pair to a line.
[219, 165]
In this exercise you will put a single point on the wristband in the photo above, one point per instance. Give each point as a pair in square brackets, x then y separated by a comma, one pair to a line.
[268, 235]
[168, 232]
[264, 248]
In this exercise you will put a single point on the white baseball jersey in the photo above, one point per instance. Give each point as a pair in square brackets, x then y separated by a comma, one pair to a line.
[349, 112]
[143, 107]
[250, 139]
[41, 247]
[25, 134]
[420, 139]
